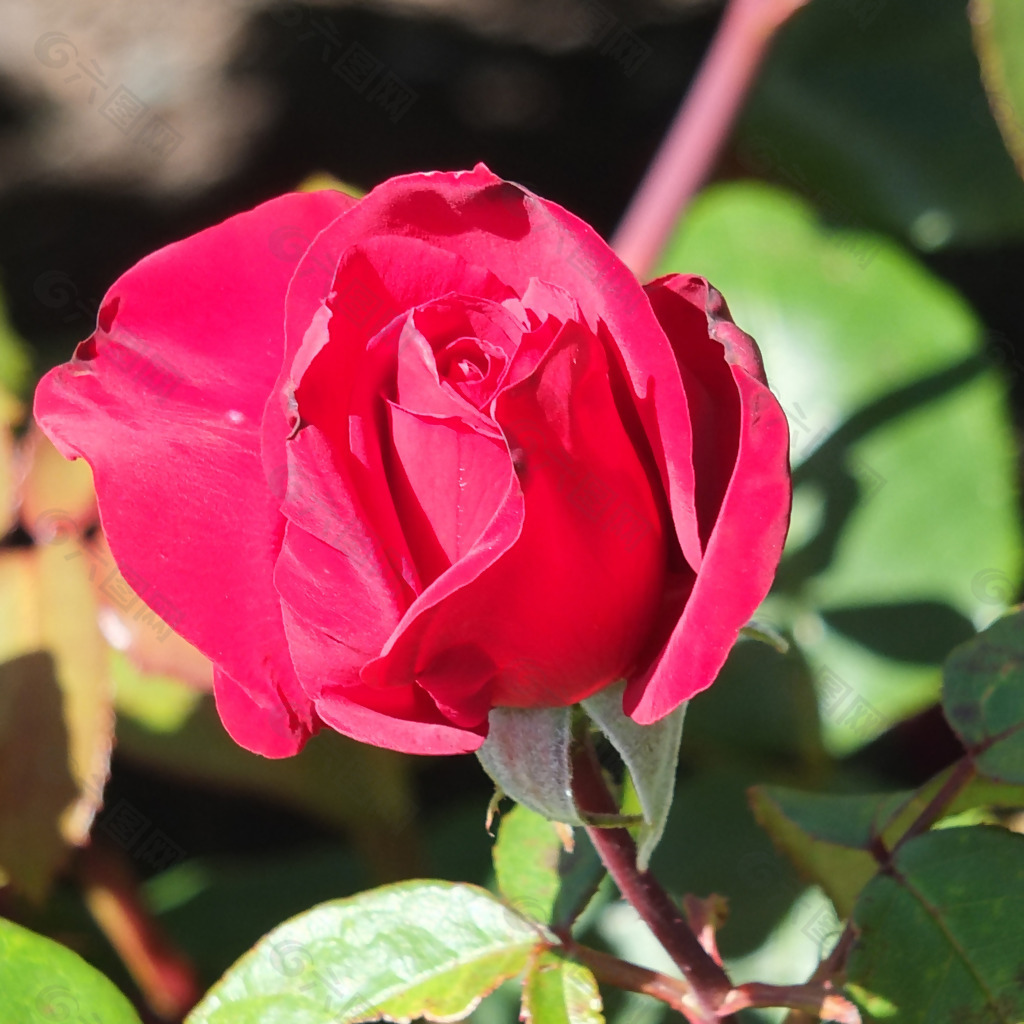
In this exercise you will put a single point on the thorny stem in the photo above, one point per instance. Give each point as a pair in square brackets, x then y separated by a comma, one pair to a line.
[689, 151]
[709, 983]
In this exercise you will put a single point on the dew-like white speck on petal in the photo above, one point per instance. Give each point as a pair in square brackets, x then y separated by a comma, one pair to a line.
[236, 417]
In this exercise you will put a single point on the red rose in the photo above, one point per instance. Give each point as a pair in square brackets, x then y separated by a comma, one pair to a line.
[394, 462]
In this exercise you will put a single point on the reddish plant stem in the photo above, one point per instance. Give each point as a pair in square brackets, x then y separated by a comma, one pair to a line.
[163, 973]
[622, 974]
[709, 983]
[818, 1001]
[959, 779]
[699, 130]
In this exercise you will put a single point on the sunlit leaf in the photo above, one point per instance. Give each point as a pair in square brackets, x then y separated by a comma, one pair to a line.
[558, 991]
[322, 180]
[537, 874]
[9, 410]
[416, 949]
[41, 980]
[14, 360]
[50, 644]
[526, 862]
[827, 838]
[56, 494]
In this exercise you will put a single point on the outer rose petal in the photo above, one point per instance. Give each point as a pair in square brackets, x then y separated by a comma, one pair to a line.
[165, 402]
[750, 528]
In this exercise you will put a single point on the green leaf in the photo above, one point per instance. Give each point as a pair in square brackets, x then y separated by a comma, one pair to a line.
[895, 138]
[526, 862]
[10, 412]
[762, 705]
[415, 949]
[901, 450]
[713, 844]
[14, 361]
[42, 980]
[827, 838]
[999, 40]
[941, 936]
[983, 699]
[833, 839]
[535, 872]
[56, 495]
[526, 754]
[650, 753]
[56, 720]
[320, 180]
[558, 991]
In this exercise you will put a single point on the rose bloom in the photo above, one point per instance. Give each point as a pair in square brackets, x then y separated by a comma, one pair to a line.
[393, 462]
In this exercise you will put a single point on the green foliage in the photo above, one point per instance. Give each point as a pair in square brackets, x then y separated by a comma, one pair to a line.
[14, 359]
[537, 874]
[526, 856]
[558, 991]
[938, 916]
[983, 698]
[45, 981]
[941, 935]
[876, 111]
[999, 39]
[56, 702]
[650, 754]
[415, 949]
[901, 445]
[828, 838]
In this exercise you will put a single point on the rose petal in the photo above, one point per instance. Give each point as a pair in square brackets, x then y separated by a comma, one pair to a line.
[562, 607]
[188, 337]
[519, 236]
[679, 303]
[373, 281]
[405, 720]
[746, 543]
[448, 482]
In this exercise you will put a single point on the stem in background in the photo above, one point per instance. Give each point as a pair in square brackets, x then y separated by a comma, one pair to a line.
[689, 151]
[163, 973]
[709, 983]
[959, 779]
